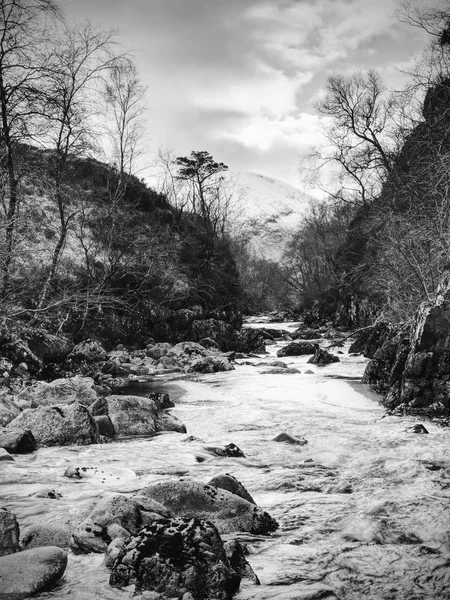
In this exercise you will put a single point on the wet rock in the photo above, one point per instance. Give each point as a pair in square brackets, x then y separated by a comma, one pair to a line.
[279, 364]
[183, 355]
[113, 516]
[322, 357]
[17, 441]
[305, 333]
[105, 426]
[229, 512]
[9, 410]
[162, 400]
[62, 391]
[418, 428]
[288, 438]
[231, 484]
[209, 343]
[177, 557]
[236, 557]
[5, 456]
[230, 450]
[9, 534]
[249, 340]
[89, 351]
[47, 534]
[48, 493]
[219, 331]
[30, 572]
[156, 351]
[59, 425]
[100, 475]
[297, 349]
[210, 364]
[135, 415]
[113, 551]
[280, 371]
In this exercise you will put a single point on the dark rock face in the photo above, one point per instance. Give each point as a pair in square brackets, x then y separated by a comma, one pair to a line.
[414, 371]
[231, 484]
[211, 364]
[228, 512]
[288, 438]
[371, 339]
[59, 425]
[249, 340]
[30, 572]
[176, 557]
[17, 441]
[180, 320]
[297, 349]
[322, 357]
[9, 534]
[135, 415]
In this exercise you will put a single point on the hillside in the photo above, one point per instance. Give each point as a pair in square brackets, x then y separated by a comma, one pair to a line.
[267, 211]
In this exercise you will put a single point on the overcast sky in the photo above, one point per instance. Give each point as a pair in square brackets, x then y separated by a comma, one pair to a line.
[238, 77]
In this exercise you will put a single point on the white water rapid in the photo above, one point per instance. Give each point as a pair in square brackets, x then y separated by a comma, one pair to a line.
[363, 508]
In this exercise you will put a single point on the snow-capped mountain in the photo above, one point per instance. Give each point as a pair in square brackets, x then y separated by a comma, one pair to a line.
[267, 210]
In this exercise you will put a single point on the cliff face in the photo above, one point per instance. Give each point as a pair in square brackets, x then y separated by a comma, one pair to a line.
[414, 370]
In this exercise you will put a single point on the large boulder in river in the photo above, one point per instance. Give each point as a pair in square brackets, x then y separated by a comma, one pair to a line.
[113, 516]
[9, 409]
[230, 484]
[210, 364]
[298, 349]
[177, 558]
[59, 425]
[30, 572]
[322, 357]
[89, 351]
[135, 415]
[17, 441]
[183, 355]
[228, 512]
[61, 391]
[9, 534]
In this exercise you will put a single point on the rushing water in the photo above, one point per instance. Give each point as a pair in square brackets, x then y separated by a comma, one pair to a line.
[363, 507]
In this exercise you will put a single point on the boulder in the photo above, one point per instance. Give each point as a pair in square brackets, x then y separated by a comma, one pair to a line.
[89, 351]
[236, 557]
[9, 534]
[135, 415]
[322, 357]
[297, 349]
[49, 348]
[5, 456]
[249, 340]
[105, 426]
[228, 512]
[62, 391]
[230, 450]
[15, 349]
[208, 343]
[17, 441]
[59, 425]
[231, 484]
[219, 331]
[177, 557]
[288, 438]
[47, 534]
[156, 351]
[210, 364]
[30, 572]
[9, 409]
[113, 516]
[183, 355]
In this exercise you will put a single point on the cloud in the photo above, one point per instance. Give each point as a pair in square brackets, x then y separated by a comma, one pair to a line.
[237, 78]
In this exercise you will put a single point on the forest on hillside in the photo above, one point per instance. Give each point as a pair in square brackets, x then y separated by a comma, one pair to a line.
[88, 249]
[378, 244]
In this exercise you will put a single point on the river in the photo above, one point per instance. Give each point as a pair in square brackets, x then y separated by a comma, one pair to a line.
[363, 508]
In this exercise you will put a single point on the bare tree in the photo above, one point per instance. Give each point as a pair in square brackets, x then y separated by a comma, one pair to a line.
[23, 29]
[74, 81]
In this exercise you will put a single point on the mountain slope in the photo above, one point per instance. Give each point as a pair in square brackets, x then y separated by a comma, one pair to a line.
[267, 211]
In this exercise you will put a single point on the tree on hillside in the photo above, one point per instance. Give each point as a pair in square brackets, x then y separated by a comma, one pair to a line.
[360, 128]
[73, 92]
[23, 36]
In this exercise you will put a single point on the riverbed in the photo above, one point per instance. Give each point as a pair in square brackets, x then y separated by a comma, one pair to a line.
[363, 507]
